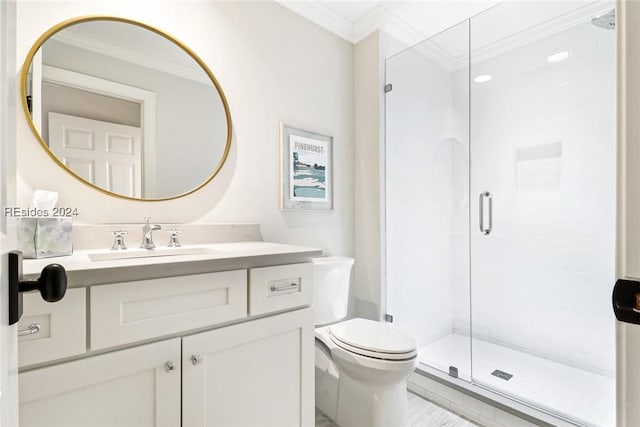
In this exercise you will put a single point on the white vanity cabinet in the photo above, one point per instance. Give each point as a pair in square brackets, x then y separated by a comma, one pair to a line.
[122, 313]
[226, 348]
[139, 386]
[251, 374]
[49, 331]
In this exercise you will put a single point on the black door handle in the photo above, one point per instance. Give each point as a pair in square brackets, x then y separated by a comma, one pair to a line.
[626, 301]
[52, 284]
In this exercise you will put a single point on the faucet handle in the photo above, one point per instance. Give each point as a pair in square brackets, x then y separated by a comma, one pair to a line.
[118, 242]
[174, 241]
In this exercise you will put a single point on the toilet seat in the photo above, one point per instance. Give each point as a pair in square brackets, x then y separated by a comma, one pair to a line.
[373, 339]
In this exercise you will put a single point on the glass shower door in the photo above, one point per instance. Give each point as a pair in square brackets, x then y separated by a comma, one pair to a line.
[543, 206]
[427, 174]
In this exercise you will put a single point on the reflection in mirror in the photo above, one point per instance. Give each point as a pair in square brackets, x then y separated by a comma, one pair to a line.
[125, 108]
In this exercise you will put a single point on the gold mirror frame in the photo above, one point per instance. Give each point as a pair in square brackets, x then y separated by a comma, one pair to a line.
[23, 92]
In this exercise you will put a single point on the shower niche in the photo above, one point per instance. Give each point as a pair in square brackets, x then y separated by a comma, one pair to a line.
[500, 204]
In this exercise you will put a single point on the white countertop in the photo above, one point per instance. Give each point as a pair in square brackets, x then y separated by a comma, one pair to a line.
[83, 271]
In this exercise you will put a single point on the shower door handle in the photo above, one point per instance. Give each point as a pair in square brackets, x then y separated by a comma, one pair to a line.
[485, 195]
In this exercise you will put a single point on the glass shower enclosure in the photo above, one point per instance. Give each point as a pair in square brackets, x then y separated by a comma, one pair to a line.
[500, 203]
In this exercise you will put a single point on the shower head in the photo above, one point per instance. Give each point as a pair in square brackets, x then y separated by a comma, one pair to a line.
[606, 21]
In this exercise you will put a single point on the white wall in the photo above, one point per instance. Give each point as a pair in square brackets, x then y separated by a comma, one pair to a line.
[273, 66]
[369, 294]
[368, 80]
[461, 226]
[90, 105]
[422, 144]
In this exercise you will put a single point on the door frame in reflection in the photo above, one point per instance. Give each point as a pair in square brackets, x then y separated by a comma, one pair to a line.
[146, 99]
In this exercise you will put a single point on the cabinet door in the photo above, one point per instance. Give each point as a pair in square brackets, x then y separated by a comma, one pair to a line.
[133, 387]
[258, 373]
[61, 327]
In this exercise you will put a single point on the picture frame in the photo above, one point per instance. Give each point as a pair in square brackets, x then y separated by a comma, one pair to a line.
[306, 171]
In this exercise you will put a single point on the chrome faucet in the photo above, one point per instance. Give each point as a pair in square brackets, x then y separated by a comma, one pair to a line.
[147, 234]
[118, 243]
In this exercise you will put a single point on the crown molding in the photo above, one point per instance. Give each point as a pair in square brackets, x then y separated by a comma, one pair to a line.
[322, 16]
[380, 18]
[134, 57]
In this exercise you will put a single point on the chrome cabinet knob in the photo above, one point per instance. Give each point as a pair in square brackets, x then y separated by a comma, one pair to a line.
[196, 359]
[170, 366]
[32, 329]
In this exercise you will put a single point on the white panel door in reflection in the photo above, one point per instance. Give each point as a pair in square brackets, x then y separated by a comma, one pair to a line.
[105, 154]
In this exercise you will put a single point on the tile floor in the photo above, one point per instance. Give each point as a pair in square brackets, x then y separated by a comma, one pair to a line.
[422, 413]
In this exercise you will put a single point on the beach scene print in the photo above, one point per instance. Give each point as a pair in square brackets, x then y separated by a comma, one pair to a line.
[309, 160]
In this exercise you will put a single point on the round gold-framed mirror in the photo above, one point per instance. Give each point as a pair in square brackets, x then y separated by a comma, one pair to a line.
[126, 108]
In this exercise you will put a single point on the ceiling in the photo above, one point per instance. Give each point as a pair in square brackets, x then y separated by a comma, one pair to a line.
[494, 29]
[414, 21]
[408, 21]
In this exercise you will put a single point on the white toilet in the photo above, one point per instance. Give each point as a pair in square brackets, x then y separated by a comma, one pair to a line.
[362, 365]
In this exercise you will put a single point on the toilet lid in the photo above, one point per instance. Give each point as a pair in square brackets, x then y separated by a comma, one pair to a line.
[374, 339]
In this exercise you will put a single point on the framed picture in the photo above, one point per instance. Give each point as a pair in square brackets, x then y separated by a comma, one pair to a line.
[306, 170]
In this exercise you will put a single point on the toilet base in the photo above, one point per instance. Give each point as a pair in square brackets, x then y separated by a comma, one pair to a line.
[355, 390]
[370, 404]
[327, 378]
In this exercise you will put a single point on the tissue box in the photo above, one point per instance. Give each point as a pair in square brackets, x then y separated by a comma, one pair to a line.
[44, 237]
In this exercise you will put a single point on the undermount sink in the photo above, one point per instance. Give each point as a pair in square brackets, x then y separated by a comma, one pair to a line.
[147, 253]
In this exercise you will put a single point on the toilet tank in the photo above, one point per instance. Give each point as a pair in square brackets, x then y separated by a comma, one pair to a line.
[331, 280]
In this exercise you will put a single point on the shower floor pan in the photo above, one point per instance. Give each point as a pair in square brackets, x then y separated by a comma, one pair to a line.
[578, 393]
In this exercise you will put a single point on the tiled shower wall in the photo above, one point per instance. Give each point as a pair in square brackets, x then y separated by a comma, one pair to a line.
[418, 196]
[545, 137]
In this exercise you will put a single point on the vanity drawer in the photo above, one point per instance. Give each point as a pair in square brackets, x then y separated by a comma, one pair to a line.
[58, 329]
[132, 311]
[280, 287]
